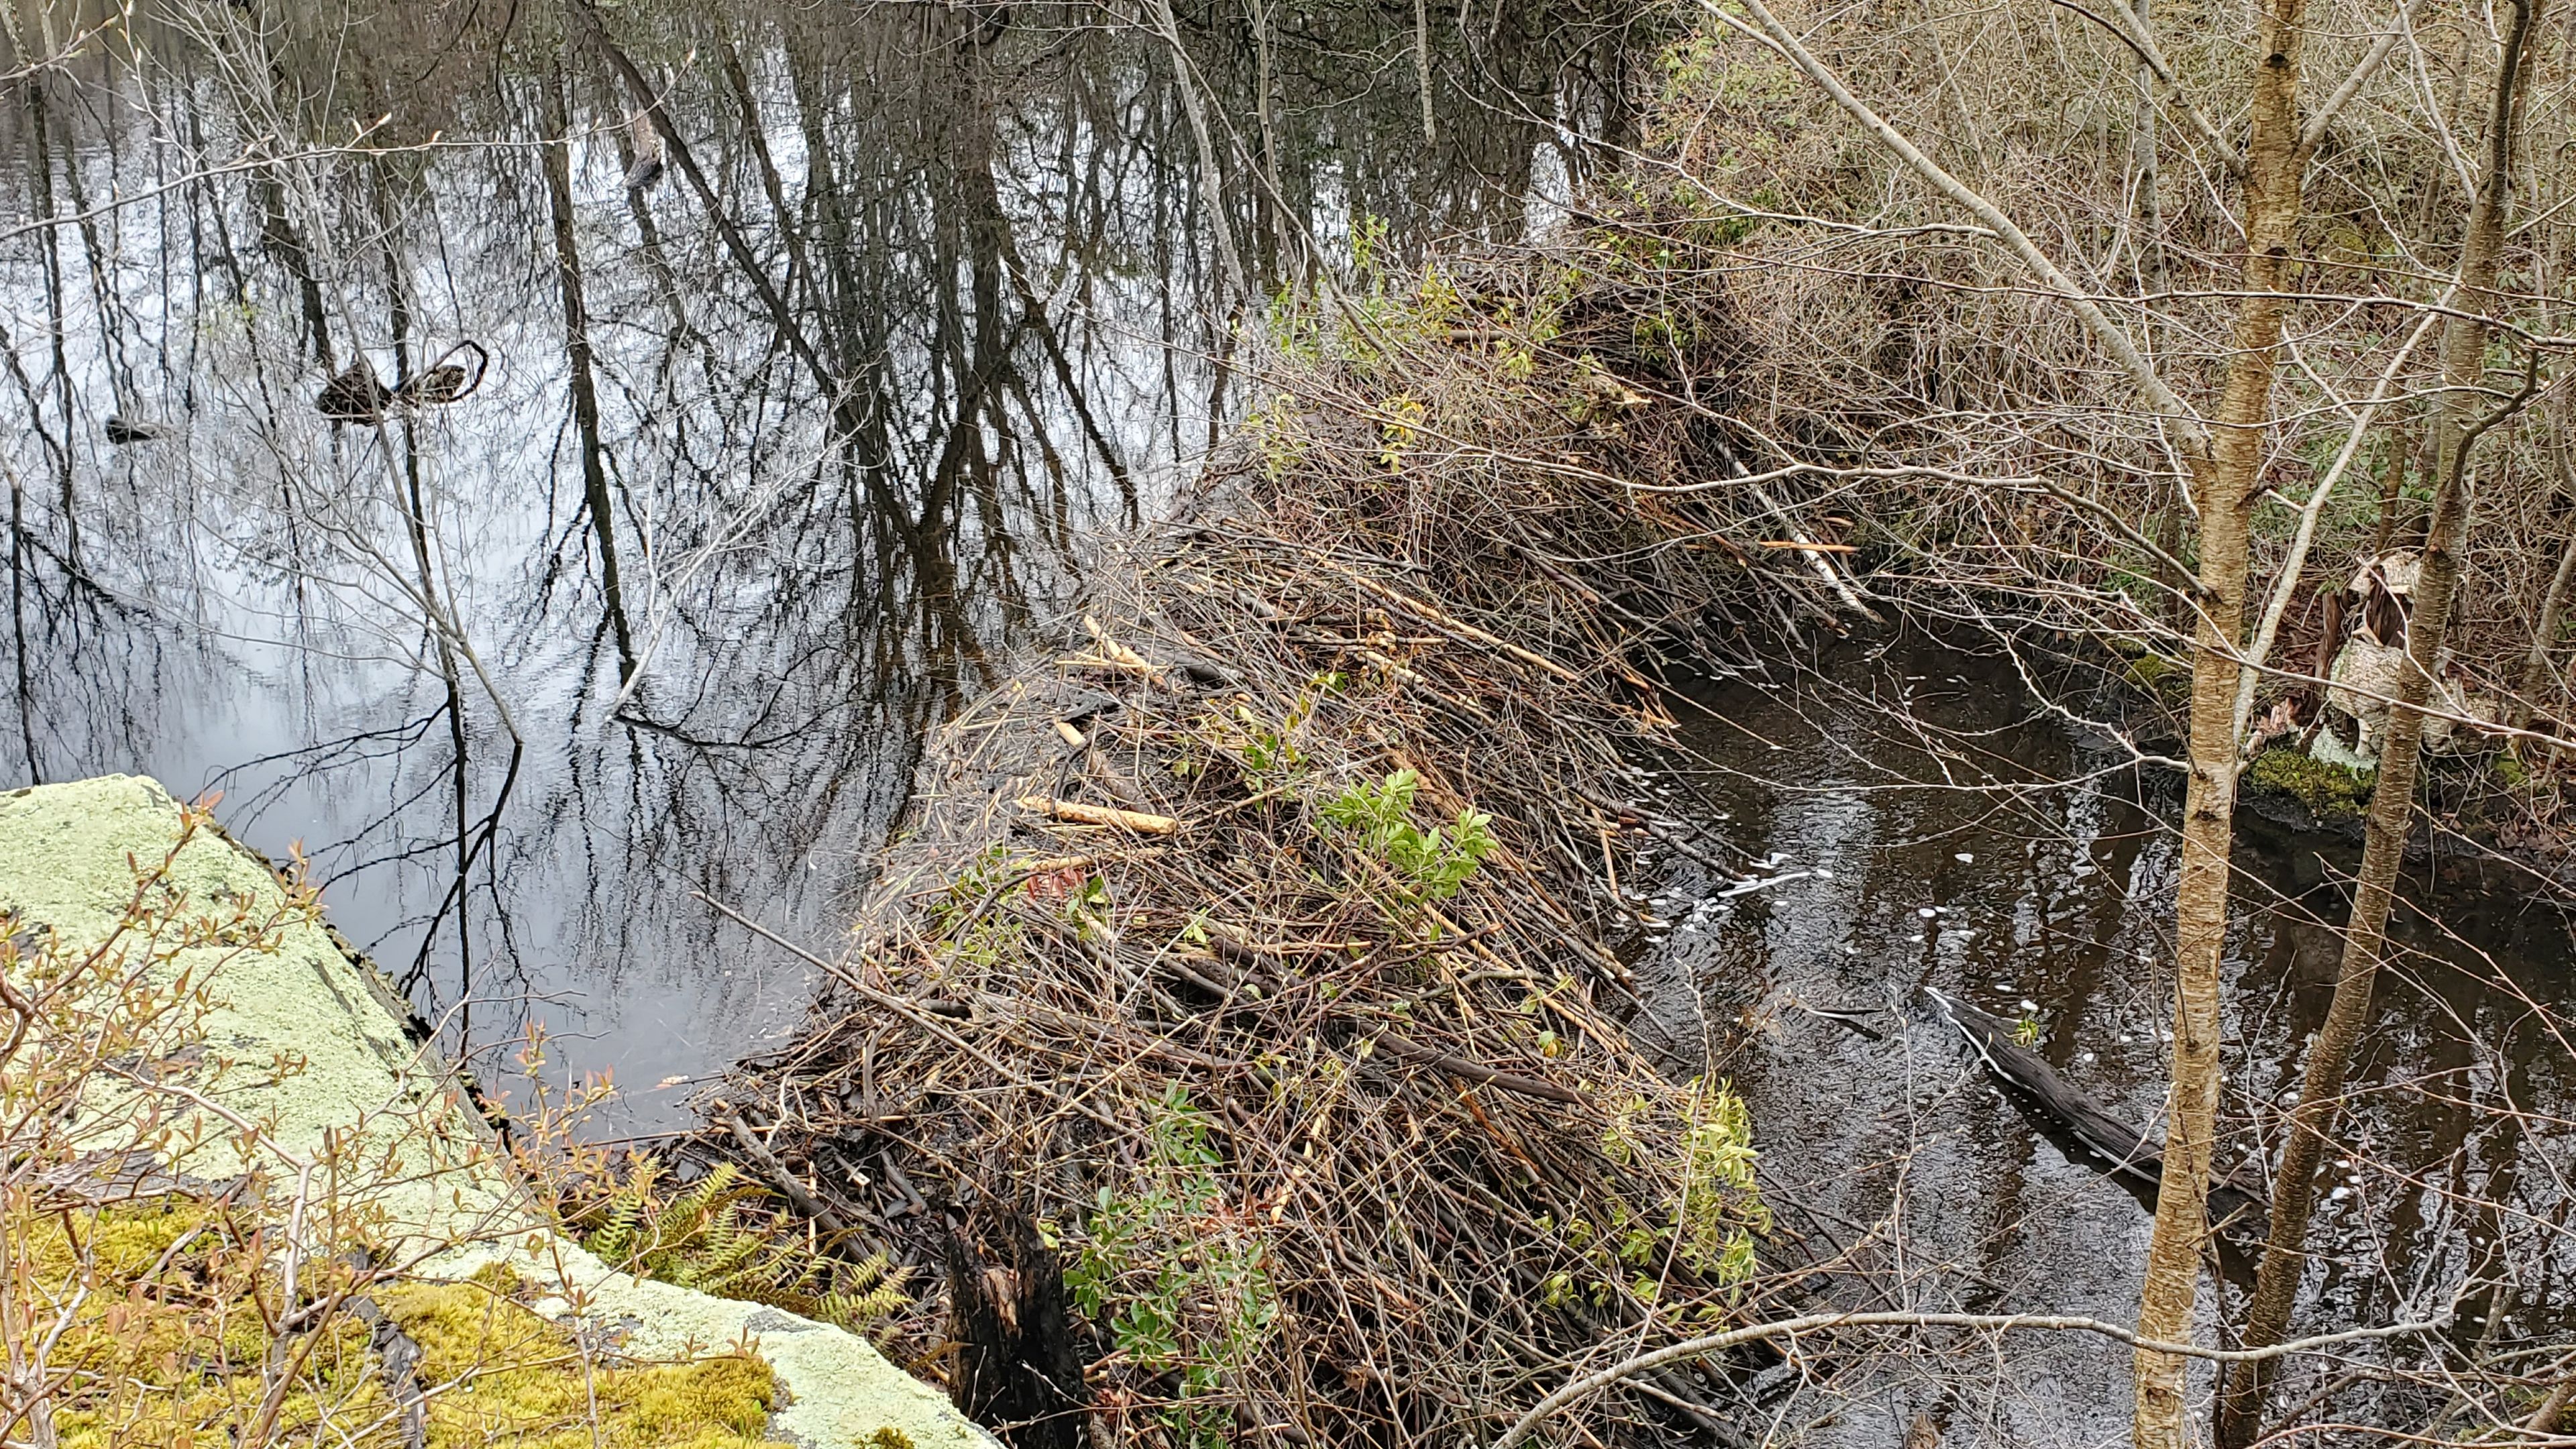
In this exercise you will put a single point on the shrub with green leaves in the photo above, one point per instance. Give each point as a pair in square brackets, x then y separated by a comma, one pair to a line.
[1378, 820]
[1184, 1286]
[1718, 1214]
[1720, 1211]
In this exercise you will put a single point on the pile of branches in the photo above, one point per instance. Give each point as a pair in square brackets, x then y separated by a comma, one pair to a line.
[1251, 962]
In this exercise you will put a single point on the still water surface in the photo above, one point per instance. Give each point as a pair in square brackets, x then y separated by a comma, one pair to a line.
[773, 457]
[1896, 816]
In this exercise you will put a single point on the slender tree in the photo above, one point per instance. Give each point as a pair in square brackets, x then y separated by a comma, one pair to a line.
[2553, 602]
[2226, 481]
[2462, 416]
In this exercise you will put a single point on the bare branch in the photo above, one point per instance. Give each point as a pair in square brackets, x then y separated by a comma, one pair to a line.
[1978, 1322]
[2142, 43]
[2315, 129]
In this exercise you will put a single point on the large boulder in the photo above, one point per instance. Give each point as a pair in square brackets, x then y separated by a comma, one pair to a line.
[304, 1039]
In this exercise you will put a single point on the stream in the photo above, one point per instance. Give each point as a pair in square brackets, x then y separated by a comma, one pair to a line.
[1897, 815]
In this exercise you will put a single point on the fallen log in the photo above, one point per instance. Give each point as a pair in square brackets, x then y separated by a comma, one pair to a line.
[2232, 1200]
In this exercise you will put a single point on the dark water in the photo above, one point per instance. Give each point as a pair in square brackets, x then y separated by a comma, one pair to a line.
[1926, 826]
[940, 303]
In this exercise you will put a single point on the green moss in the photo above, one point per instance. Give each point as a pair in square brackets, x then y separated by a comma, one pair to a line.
[2331, 792]
[181, 1365]
[2511, 770]
[522, 1380]
[2155, 674]
[888, 1437]
[172, 1346]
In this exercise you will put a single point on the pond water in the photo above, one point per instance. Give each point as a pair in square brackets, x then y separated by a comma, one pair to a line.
[773, 457]
[1896, 816]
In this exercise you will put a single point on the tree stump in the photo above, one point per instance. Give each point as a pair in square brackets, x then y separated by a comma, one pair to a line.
[1018, 1370]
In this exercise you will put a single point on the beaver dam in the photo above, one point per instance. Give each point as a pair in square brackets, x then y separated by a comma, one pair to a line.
[1398, 949]
[1255, 949]
[1590, 724]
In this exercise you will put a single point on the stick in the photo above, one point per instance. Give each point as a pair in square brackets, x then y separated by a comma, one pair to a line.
[1478, 1072]
[1467, 631]
[806, 1202]
[1135, 820]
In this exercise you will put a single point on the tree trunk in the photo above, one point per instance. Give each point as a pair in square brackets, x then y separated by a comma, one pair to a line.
[2227, 482]
[2392, 805]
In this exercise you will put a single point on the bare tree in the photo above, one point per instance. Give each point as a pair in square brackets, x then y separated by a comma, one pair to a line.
[2464, 416]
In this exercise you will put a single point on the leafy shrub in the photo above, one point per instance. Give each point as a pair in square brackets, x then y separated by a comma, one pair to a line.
[1378, 818]
[1185, 1288]
[1717, 1215]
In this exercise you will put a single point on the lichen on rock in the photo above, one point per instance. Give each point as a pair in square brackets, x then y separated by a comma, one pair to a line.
[275, 1147]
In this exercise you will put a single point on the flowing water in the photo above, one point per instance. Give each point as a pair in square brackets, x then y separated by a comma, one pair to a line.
[1898, 816]
[774, 456]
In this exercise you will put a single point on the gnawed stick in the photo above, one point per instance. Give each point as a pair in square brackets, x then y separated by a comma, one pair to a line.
[1080, 814]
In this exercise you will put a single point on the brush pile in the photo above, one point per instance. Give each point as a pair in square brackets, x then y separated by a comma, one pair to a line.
[1260, 944]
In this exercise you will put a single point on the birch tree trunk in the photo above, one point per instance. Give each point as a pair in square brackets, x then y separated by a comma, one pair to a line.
[2456, 428]
[2226, 482]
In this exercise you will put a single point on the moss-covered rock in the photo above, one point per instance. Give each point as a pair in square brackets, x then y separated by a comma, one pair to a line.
[2330, 792]
[300, 1074]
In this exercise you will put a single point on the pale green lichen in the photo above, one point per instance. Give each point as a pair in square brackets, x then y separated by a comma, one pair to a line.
[298, 1040]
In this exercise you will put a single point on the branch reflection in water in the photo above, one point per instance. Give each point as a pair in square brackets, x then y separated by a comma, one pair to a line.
[820, 342]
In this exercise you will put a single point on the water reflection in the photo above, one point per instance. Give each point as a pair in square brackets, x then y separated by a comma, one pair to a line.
[1930, 828]
[819, 340]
